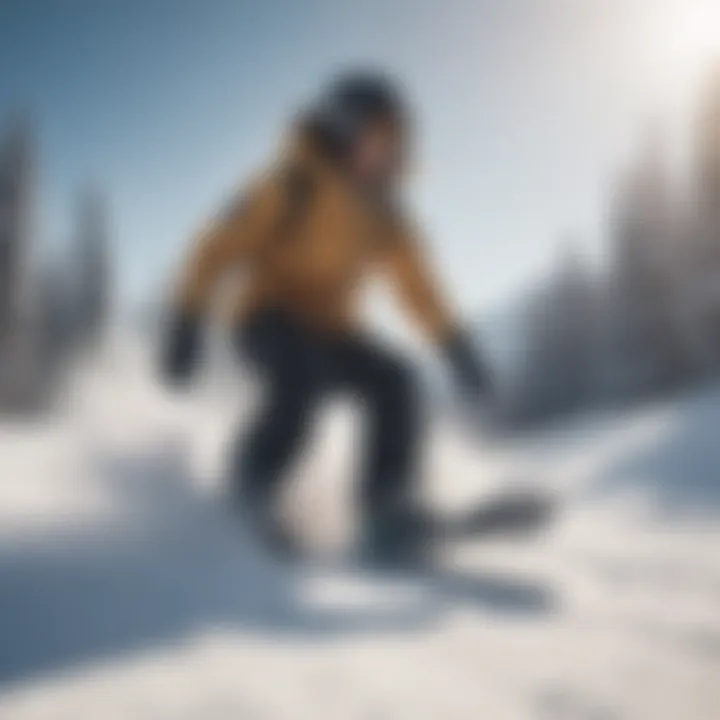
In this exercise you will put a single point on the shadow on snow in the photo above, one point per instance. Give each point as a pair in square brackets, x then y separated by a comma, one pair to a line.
[176, 563]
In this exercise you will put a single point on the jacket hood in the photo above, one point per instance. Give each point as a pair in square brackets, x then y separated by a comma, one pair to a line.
[348, 105]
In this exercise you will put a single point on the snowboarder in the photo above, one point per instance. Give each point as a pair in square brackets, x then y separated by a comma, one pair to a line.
[305, 234]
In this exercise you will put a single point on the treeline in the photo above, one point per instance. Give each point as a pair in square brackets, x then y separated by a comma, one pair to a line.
[649, 321]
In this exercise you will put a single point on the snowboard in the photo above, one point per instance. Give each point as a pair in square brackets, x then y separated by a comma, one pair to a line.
[516, 514]
[509, 515]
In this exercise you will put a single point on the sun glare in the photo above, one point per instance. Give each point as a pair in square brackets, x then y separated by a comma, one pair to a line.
[694, 35]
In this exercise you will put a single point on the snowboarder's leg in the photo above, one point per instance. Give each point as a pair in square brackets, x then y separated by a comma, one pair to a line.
[388, 393]
[287, 362]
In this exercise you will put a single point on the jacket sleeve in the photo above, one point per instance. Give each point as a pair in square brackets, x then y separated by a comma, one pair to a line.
[233, 238]
[415, 284]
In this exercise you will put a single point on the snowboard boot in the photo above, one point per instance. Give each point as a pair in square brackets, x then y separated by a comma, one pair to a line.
[396, 538]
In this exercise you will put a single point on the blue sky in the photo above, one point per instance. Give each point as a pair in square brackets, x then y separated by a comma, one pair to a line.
[528, 110]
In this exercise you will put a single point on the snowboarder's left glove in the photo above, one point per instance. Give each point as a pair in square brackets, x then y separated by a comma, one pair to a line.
[471, 373]
[181, 348]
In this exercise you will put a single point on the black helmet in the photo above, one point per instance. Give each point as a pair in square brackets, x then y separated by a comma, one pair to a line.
[349, 104]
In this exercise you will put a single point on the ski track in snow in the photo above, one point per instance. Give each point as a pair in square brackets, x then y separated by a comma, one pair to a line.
[127, 591]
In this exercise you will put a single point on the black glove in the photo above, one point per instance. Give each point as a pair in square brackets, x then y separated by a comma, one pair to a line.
[181, 348]
[471, 374]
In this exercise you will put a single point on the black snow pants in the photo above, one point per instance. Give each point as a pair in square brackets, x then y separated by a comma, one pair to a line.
[299, 368]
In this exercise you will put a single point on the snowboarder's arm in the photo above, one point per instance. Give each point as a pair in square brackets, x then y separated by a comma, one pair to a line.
[230, 240]
[416, 286]
[420, 293]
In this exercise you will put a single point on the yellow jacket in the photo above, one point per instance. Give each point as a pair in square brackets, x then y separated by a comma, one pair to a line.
[302, 240]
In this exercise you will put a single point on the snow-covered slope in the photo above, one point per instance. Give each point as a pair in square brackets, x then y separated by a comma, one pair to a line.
[126, 591]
